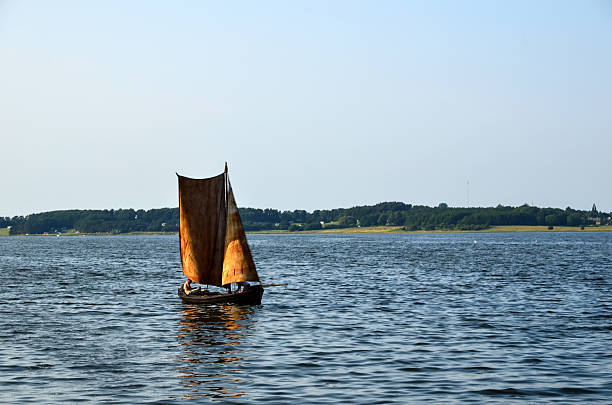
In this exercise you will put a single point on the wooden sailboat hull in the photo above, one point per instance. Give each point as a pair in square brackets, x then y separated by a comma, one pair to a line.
[251, 296]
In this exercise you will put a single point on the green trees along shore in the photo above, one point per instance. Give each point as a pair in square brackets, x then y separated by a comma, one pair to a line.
[407, 216]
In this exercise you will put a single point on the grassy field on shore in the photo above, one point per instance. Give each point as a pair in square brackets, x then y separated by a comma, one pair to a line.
[4, 231]
[530, 228]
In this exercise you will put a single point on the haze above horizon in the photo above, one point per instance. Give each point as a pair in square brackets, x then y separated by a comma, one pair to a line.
[314, 105]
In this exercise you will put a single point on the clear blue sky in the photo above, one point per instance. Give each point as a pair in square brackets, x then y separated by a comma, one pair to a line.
[313, 104]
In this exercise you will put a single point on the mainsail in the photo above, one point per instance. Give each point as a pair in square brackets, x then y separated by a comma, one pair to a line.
[214, 249]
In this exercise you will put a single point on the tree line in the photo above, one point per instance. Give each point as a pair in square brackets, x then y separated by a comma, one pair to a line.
[95, 221]
[417, 217]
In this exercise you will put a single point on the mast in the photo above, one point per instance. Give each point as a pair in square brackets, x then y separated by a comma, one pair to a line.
[226, 187]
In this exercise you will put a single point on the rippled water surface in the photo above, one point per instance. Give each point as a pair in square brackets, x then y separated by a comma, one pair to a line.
[367, 319]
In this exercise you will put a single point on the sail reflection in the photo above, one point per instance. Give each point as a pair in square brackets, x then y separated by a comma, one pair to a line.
[212, 338]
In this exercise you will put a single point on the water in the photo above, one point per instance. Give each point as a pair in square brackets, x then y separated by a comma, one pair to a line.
[365, 319]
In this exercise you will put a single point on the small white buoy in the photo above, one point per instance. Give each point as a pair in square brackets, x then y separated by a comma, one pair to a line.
[474, 242]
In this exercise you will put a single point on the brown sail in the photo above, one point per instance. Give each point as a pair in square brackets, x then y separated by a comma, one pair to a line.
[202, 217]
[238, 263]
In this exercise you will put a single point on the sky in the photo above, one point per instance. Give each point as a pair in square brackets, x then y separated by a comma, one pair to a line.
[313, 104]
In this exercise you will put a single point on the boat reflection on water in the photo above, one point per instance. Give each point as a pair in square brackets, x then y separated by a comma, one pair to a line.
[212, 338]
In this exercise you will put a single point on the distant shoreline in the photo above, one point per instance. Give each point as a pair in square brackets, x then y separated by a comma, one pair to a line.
[493, 229]
[381, 217]
[365, 230]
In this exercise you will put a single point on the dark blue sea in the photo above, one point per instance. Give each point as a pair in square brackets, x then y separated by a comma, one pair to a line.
[398, 318]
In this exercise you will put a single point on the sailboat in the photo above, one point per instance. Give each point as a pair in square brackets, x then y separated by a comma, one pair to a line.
[214, 248]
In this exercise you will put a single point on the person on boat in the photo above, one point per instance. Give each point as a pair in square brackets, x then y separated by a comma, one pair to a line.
[188, 289]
